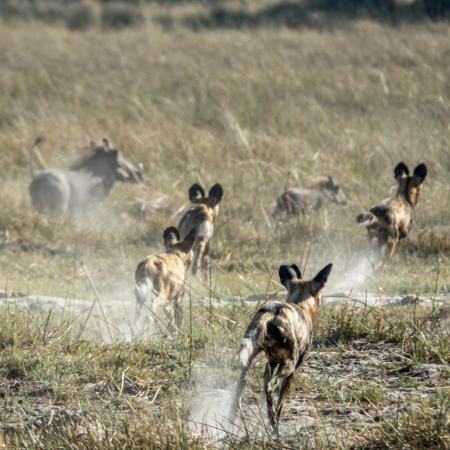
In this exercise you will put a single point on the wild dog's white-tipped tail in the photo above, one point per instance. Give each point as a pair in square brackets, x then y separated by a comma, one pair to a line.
[141, 290]
[364, 217]
[246, 351]
[204, 228]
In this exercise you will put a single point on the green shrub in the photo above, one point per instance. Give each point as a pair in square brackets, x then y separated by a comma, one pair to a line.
[80, 16]
[119, 15]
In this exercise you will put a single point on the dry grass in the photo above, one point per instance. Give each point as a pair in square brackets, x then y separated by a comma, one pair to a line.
[351, 104]
[240, 108]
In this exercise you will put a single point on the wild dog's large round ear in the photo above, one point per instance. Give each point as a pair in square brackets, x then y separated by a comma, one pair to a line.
[330, 182]
[106, 143]
[287, 273]
[215, 195]
[401, 169]
[189, 240]
[296, 270]
[421, 172]
[196, 193]
[171, 236]
[323, 275]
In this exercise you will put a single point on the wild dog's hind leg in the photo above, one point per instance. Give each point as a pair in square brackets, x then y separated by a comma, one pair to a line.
[179, 309]
[200, 260]
[268, 390]
[206, 260]
[387, 247]
[284, 391]
[286, 385]
[236, 403]
[285, 369]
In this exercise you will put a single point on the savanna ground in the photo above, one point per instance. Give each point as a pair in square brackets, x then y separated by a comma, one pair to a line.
[241, 108]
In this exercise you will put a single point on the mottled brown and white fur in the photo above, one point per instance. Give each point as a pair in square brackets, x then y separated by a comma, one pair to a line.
[392, 219]
[201, 215]
[283, 331]
[163, 277]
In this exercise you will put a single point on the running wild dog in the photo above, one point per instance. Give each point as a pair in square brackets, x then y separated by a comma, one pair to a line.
[201, 215]
[283, 331]
[83, 185]
[320, 192]
[392, 219]
[163, 276]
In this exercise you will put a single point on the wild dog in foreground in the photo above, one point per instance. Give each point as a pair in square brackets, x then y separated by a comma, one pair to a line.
[320, 192]
[83, 185]
[283, 331]
[392, 219]
[201, 215]
[163, 276]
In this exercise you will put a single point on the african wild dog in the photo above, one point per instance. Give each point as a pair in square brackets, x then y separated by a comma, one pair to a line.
[283, 331]
[164, 276]
[201, 215]
[320, 192]
[392, 219]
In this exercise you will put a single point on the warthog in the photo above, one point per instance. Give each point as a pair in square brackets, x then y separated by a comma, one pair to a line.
[163, 277]
[83, 185]
[283, 331]
[320, 192]
[201, 215]
[392, 219]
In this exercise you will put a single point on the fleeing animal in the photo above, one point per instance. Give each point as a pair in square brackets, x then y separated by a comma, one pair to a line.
[392, 219]
[319, 193]
[160, 279]
[84, 185]
[283, 331]
[202, 215]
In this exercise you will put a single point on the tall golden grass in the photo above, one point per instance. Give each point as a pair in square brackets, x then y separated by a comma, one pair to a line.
[239, 108]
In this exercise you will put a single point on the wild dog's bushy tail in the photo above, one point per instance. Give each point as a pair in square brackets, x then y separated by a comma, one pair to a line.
[363, 217]
[204, 226]
[245, 351]
[250, 343]
[144, 284]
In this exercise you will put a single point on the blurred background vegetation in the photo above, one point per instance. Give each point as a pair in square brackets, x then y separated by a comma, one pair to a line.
[210, 14]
